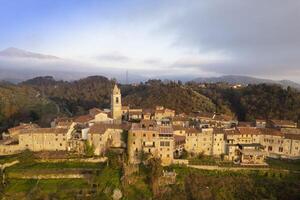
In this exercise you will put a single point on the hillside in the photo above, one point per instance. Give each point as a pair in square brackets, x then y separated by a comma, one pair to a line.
[261, 101]
[245, 80]
[21, 103]
[78, 96]
[171, 95]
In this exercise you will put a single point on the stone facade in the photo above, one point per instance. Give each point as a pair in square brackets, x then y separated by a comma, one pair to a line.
[148, 138]
[44, 139]
[105, 136]
[116, 104]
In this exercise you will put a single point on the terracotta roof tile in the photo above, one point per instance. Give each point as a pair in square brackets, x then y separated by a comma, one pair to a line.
[269, 131]
[83, 118]
[23, 126]
[292, 136]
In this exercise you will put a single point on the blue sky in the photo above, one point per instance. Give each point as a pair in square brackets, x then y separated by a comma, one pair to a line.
[165, 37]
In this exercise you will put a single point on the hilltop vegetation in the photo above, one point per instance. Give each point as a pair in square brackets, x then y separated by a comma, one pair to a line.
[171, 95]
[261, 101]
[95, 91]
[42, 98]
[23, 104]
[75, 97]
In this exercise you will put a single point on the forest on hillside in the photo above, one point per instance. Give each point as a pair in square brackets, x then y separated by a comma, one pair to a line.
[262, 101]
[42, 98]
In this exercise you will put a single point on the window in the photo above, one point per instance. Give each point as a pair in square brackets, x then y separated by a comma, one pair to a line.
[144, 135]
[117, 99]
[60, 144]
[280, 149]
[133, 134]
[269, 148]
[164, 143]
[133, 142]
[153, 135]
[149, 150]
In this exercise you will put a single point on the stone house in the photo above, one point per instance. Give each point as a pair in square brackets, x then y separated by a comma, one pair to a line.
[180, 121]
[104, 136]
[162, 112]
[44, 139]
[199, 141]
[251, 154]
[259, 123]
[15, 131]
[282, 124]
[147, 137]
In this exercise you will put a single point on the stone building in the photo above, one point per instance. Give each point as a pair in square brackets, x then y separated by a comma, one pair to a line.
[15, 131]
[44, 139]
[116, 104]
[105, 136]
[218, 142]
[242, 135]
[199, 141]
[282, 124]
[147, 138]
[251, 154]
[162, 112]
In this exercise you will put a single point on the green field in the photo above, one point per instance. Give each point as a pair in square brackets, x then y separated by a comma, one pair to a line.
[42, 189]
[293, 165]
[190, 183]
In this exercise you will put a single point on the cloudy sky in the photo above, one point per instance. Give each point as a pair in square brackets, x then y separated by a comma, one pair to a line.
[161, 37]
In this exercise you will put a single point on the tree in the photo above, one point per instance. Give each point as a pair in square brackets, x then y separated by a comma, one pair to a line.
[156, 171]
[89, 149]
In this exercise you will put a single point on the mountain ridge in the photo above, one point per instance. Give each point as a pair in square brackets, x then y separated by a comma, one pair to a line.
[245, 80]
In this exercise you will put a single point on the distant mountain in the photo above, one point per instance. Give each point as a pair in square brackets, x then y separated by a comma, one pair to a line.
[19, 53]
[245, 80]
[17, 65]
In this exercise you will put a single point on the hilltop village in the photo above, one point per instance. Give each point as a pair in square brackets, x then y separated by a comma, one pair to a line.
[161, 133]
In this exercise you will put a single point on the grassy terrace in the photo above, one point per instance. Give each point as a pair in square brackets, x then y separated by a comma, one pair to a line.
[42, 189]
[56, 165]
[202, 184]
[282, 164]
[6, 159]
[293, 165]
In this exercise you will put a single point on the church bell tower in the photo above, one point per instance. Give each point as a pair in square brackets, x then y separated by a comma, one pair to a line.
[116, 104]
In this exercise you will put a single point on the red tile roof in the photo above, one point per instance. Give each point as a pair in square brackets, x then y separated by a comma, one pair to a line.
[283, 122]
[248, 130]
[269, 131]
[83, 118]
[23, 126]
[292, 136]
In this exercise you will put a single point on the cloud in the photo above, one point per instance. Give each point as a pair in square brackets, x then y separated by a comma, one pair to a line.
[112, 57]
[261, 37]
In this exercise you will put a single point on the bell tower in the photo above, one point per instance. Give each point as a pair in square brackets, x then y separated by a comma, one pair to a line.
[116, 104]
